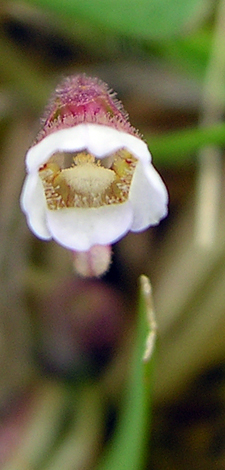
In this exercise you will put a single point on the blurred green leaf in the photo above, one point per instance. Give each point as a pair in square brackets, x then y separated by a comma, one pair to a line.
[179, 147]
[189, 54]
[143, 19]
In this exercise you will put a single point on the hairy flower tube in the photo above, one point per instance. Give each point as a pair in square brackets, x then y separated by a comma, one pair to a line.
[89, 179]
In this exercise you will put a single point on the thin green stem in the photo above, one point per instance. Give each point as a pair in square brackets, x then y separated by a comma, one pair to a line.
[209, 182]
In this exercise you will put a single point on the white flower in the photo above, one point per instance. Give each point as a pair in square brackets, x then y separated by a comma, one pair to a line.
[90, 184]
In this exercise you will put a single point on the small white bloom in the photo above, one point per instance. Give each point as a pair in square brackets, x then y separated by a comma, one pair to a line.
[90, 184]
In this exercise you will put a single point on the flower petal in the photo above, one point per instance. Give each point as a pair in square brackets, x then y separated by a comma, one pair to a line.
[103, 140]
[33, 203]
[79, 229]
[148, 196]
[98, 139]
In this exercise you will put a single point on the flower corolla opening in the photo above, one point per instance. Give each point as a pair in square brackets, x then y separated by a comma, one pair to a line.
[89, 179]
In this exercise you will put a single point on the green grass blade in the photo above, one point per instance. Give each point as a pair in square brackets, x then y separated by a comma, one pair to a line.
[127, 450]
[179, 147]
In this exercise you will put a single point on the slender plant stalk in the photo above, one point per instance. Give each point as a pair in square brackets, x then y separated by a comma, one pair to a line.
[210, 181]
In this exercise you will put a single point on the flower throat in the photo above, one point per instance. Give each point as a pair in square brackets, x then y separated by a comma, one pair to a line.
[81, 180]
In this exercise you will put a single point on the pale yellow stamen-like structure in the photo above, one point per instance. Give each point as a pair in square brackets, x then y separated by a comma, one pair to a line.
[88, 178]
[80, 180]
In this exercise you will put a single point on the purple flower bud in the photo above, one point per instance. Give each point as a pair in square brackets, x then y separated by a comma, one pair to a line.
[80, 99]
